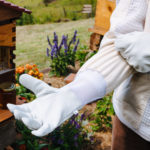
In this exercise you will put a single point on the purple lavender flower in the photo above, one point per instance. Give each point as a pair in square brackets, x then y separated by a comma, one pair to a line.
[65, 44]
[75, 136]
[47, 52]
[55, 38]
[91, 138]
[61, 44]
[73, 40]
[76, 46]
[71, 121]
[52, 52]
[77, 125]
[49, 42]
[54, 48]
[56, 51]
[82, 117]
[74, 37]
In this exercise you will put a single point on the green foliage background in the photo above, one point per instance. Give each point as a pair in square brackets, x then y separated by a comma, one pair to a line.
[54, 11]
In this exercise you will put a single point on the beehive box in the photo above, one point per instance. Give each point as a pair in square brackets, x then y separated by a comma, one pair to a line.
[8, 15]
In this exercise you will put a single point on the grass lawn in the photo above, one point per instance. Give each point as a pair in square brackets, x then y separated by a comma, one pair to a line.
[32, 40]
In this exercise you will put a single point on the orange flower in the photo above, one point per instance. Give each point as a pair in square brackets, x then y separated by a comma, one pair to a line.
[31, 72]
[36, 73]
[17, 85]
[29, 67]
[20, 70]
[34, 65]
[36, 69]
[16, 70]
[40, 74]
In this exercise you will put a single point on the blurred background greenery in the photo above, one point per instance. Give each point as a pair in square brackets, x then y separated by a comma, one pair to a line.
[44, 11]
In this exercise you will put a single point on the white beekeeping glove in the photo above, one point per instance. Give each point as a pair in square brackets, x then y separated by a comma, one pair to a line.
[52, 107]
[135, 48]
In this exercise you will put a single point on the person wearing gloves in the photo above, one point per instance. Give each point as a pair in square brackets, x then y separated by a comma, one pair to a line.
[123, 52]
[131, 100]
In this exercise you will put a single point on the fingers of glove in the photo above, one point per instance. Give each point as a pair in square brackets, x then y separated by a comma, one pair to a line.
[35, 85]
[19, 115]
[30, 82]
[32, 124]
[44, 130]
[13, 107]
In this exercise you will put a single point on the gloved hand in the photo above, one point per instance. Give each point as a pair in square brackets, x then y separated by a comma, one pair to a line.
[54, 106]
[135, 48]
[51, 107]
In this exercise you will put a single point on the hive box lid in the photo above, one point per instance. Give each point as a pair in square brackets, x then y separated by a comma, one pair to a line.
[9, 12]
[14, 7]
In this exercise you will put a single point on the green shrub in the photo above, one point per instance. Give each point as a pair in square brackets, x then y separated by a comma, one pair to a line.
[25, 19]
[83, 54]
[103, 114]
